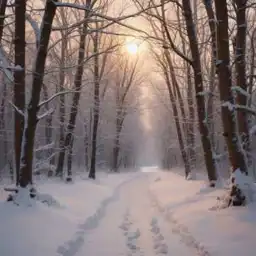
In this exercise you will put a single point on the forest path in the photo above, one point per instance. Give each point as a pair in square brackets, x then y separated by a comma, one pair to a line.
[132, 223]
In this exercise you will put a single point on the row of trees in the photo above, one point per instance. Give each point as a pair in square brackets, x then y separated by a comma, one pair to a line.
[207, 62]
[70, 79]
[203, 51]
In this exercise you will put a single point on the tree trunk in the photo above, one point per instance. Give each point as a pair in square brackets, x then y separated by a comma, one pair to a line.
[76, 96]
[225, 87]
[240, 49]
[191, 120]
[95, 109]
[176, 113]
[116, 149]
[236, 157]
[86, 146]
[176, 92]
[178, 126]
[3, 133]
[252, 65]
[19, 79]
[33, 106]
[62, 111]
[199, 89]
[48, 131]
[3, 4]
[123, 85]
[210, 109]
[69, 160]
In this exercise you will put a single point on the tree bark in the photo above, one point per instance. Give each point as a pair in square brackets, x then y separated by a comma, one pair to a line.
[19, 79]
[225, 87]
[252, 65]
[62, 107]
[118, 128]
[240, 49]
[3, 133]
[31, 119]
[116, 150]
[210, 109]
[86, 146]
[198, 80]
[92, 173]
[178, 126]
[3, 4]
[237, 159]
[191, 120]
[69, 160]
[176, 91]
[175, 111]
[48, 131]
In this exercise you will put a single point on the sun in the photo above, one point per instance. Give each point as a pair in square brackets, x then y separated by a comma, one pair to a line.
[132, 48]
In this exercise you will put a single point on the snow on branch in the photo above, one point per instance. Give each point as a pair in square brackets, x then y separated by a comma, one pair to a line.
[12, 68]
[47, 113]
[238, 107]
[245, 108]
[17, 109]
[204, 93]
[45, 147]
[35, 27]
[115, 20]
[55, 96]
[229, 105]
[252, 131]
[5, 64]
[241, 91]
[88, 8]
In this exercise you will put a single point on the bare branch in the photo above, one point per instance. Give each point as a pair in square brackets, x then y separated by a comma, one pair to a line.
[55, 96]
[17, 109]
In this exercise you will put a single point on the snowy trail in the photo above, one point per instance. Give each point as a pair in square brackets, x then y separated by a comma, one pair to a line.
[129, 225]
[73, 246]
[179, 229]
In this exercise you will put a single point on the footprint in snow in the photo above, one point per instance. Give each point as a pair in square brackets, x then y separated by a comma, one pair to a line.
[134, 235]
[160, 246]
[125, 226]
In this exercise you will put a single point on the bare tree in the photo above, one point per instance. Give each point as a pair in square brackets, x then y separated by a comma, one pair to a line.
[237, 158]
[96, 109]
[211, 21]
[199, 89]
[171, 84]
[126, 77]
[240, 48]
[68, 142]
[31, 112]
[62, 76]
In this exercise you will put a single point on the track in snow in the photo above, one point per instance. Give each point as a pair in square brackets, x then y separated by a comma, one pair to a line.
[131, 223]
[74, 245]
[179, 229]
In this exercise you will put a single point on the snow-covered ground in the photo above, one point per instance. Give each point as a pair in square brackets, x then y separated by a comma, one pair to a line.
[189, 206]
[145, 213]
